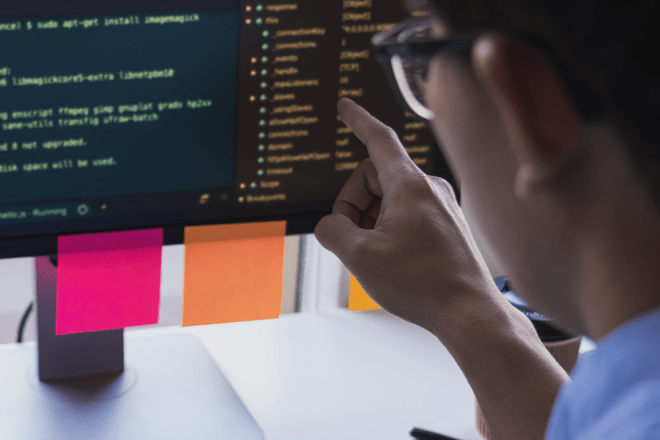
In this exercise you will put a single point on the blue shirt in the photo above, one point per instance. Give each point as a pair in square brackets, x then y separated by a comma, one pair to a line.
[615, 389]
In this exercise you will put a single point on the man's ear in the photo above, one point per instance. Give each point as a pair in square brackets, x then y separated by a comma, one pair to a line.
[543, 127]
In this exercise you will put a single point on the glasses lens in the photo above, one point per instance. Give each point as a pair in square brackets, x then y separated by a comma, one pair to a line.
[411, 72]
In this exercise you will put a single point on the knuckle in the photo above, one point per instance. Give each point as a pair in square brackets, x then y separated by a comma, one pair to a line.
[364, 166]
[358, 253]
[421, 187]
[444, 186]
[384, 133]
[321, 230]
[363, 169]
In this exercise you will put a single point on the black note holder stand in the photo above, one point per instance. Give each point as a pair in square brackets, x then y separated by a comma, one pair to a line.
[98, 386]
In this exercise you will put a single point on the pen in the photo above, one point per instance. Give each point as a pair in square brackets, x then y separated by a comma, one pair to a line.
[421, 434]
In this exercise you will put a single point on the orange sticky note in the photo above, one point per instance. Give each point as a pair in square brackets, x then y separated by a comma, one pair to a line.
[358, 298]
[233, 273]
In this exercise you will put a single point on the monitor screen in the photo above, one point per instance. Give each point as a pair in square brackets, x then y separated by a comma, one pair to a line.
[165, 113]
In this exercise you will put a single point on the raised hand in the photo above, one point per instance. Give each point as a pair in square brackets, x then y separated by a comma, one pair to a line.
[402, 233]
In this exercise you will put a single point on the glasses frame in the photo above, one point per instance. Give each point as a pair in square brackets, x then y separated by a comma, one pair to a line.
[588, 103]
[389, 53]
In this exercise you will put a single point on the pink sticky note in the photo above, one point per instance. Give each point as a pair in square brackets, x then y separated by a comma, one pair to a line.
[108, 281]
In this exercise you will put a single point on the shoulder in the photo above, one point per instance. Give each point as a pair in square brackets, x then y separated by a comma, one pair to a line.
[615, 390]
[635, 415]
[626, 408]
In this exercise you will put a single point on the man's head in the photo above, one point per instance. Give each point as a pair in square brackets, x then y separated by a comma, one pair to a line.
[604, 54]
[550, 127]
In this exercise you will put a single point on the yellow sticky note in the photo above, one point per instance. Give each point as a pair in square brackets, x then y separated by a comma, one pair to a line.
[233, 273]
[358, 298]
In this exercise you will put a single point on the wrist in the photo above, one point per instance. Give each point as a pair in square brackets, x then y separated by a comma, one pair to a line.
[502, 357]
[481, 318]
[508, 368]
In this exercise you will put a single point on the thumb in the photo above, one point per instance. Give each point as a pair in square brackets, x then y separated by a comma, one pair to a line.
[338, 234]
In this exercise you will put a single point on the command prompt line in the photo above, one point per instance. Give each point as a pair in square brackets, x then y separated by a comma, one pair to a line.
[119, 104]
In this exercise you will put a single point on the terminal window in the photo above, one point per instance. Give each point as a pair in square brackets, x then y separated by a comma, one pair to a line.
[119, 104]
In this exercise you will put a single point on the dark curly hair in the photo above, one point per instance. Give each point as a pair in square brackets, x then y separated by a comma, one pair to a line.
[605, 53]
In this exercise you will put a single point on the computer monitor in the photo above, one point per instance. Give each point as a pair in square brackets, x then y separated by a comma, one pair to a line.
[137, 114]
[169, 113]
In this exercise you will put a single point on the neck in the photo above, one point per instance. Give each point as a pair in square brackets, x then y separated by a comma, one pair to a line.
[619, 253]
[616, 290]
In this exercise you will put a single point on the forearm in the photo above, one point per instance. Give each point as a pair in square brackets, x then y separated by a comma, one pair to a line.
[513, 376]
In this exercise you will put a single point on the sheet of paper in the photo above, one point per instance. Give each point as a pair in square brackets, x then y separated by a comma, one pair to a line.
[108, 281]
[233, 273]
[358, 299]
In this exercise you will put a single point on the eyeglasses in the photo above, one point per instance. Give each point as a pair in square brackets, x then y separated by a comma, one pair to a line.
[405, 50]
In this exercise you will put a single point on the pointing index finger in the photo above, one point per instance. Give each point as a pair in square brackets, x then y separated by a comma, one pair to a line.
[385, 150]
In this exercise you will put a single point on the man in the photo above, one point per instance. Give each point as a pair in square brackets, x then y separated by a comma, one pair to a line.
[547, 116]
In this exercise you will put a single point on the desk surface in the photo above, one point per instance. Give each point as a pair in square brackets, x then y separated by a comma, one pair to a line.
[340, 375]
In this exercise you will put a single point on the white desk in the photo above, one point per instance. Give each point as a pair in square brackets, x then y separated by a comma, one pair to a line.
[340, 375]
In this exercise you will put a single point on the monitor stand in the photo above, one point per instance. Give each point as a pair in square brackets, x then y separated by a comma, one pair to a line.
[78, 388]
